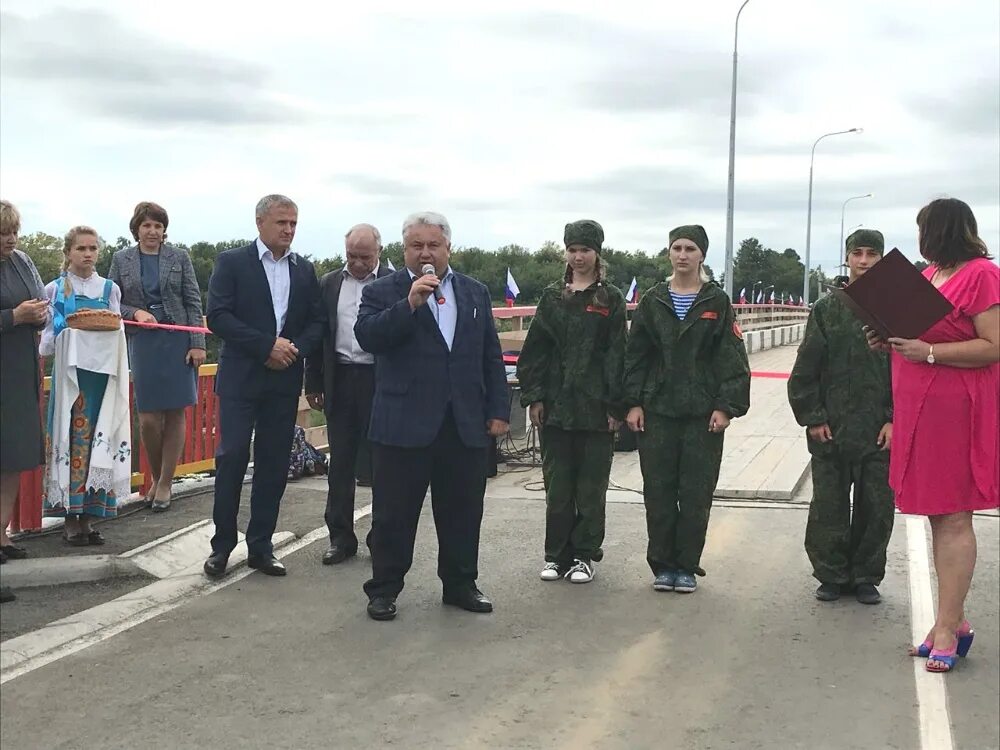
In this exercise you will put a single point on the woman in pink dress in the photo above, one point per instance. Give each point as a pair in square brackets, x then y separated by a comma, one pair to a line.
[945, 460]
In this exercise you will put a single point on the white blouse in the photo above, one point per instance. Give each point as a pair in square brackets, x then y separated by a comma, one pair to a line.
[92, 287]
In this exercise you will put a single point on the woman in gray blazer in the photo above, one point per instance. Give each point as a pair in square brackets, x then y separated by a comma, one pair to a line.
[158, 285]
[24, 310]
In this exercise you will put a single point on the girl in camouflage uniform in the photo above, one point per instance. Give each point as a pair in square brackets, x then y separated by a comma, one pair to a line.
[570, 372]
[686, 376]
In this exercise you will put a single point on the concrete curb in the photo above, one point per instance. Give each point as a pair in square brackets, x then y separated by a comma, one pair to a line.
[56, 571]
[52, 571]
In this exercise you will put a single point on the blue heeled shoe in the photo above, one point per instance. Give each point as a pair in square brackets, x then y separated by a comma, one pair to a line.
[965, 635]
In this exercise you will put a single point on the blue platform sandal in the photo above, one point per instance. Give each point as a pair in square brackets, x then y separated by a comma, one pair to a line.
[964, 635]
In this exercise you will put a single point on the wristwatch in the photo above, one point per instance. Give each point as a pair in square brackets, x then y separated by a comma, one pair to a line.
[930, 356]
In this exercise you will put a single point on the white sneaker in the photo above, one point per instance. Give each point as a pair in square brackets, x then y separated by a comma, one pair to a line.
[581, 572]
[552, 572]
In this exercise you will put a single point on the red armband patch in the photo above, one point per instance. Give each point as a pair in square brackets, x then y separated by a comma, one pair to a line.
[599, 310]
[737, 331]
[710, 315]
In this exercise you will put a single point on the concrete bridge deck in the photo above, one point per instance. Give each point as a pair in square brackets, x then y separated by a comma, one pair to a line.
[749, 661]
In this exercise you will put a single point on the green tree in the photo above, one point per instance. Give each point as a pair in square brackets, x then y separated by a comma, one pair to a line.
[45, 251]
[393, 252]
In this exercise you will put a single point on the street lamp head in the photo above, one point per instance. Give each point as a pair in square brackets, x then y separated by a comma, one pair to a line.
[870, 195]
[856, 130]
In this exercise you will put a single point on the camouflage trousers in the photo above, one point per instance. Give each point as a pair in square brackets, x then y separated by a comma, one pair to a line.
[680, 462]
[575, 467]
[846, 547]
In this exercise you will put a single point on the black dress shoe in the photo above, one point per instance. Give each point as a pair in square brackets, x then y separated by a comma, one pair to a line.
[470, 599]
[382, 607]
[14, 553]
[215, 565]
[269, 566]
[338, 552]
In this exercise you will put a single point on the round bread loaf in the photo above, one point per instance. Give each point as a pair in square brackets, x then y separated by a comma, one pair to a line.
[94, 320]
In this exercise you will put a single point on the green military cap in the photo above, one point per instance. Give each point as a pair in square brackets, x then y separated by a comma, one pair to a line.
[694, 232]
[866, 238]
[584, 232]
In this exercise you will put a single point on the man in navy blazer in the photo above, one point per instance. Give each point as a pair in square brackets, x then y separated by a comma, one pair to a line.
[440, 397]
[264, 303]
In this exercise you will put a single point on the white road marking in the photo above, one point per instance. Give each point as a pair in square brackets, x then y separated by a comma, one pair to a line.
[932, 698]
[130, 610]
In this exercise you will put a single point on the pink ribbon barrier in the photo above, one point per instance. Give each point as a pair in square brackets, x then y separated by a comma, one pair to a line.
[167, 326]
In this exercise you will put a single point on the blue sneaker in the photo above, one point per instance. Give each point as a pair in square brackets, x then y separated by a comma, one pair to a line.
[664, 581]
[685, 583]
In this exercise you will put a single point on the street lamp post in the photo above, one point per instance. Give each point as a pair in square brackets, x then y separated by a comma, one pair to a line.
[843, 209]
[812, 158]
[732, 164]
[764, 291]
[753, 292]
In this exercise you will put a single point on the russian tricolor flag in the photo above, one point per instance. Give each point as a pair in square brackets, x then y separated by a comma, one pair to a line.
[743, 296]
[511, 292]
[633, 291]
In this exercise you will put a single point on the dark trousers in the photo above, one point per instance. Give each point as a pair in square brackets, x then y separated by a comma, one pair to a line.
[680, 461]
[271, 420]
[456, 475]
[576, 465]
[848, 548]
[348, 412]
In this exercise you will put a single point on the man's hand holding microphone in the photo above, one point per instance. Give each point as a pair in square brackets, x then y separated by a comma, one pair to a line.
[424, 286]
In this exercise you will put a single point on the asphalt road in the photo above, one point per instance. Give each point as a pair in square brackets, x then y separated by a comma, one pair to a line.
[749, 661]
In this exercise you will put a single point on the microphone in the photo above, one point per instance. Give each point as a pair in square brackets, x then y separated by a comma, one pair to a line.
[428, 269]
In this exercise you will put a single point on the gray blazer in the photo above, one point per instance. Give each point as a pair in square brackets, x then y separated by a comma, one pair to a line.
[178, 286]
[22, 264]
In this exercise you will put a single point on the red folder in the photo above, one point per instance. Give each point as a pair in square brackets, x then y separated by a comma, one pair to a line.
[895, 299]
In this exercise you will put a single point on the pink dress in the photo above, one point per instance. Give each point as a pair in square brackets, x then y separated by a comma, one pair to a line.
[946, 428]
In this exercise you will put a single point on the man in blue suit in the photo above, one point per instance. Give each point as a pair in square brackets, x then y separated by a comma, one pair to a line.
[440, 397]
[264, 303]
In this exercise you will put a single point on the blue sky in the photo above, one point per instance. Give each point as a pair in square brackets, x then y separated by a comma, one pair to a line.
[511, 120]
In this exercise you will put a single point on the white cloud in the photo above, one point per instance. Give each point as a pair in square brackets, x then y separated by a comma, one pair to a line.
[510, 121]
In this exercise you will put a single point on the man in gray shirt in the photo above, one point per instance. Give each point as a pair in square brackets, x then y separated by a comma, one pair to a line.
[341, 383]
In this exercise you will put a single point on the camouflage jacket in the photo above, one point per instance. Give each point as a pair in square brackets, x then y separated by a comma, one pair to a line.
[690, 367]
[838, 380]
[572, 358]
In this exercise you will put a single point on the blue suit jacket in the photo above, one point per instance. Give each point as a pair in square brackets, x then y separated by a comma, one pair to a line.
[240, 312]
[416, 376]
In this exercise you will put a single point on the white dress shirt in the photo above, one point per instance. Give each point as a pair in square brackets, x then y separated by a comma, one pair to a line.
[347, 347]
[279, 280]
[445, 314]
